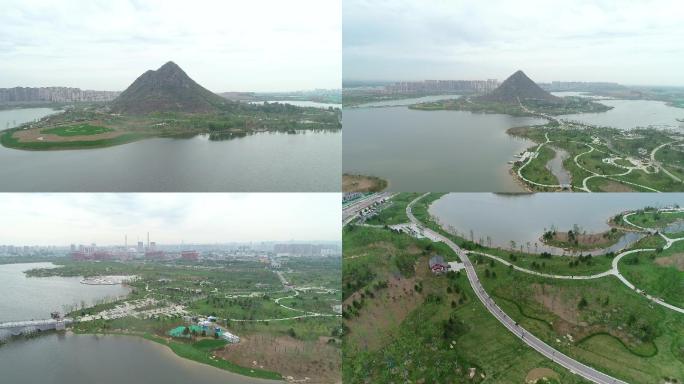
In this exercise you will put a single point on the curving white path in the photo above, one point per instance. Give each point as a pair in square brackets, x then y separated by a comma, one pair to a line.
[525, 336]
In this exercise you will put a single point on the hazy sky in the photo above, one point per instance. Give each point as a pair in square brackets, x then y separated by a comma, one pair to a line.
[630, 42]
[225, 45]
[62, 219]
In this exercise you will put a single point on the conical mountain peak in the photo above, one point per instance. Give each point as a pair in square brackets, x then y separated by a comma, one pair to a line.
[167, 89]
[516, 87]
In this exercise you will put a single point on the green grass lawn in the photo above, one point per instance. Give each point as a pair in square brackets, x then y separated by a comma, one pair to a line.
[617, 331]
[395, 212]
[657, 273]
[77, 130]
[655, 219]
[536, 170]
[8, 140]
[577, 142]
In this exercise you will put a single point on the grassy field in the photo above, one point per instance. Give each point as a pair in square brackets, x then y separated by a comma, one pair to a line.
[660, 274]
[536, 170]
[599, 322]
[234, 120]
[237, 292]
[395, 212]
[611, 143]
[568, 105]
[201, 351]
[609, 330]
[651, 218]
[405, 324]
[8, 140]
[77, 130]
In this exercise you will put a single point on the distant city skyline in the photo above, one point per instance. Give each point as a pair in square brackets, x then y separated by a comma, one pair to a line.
[258, 45]
[105, 218]
[631, 43]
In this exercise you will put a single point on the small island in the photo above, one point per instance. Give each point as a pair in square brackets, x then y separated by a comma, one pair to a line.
[164, 103]
[577, 240]
[362, 183]
[517, 96]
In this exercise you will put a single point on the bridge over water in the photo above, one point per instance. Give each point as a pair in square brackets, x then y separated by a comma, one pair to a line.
[16, 328]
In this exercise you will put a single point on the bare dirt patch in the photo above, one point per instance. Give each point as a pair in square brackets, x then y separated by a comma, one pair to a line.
[316, 360]
[537, 374]
[386, 310]
[361, 183]
[35, 135]
[389, 247]
[676, 260]
[553, 300]
[614, 186]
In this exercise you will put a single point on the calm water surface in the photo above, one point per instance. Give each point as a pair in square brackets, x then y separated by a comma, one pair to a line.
[11, 118]
[628, 114]
[26, 298]
[401, 102]
[87, 359]
[524, 218]
[309, 161]
[433, 150]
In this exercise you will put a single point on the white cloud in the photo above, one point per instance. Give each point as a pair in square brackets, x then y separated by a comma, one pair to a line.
[623, 41]
[255, 45]
[102, 218]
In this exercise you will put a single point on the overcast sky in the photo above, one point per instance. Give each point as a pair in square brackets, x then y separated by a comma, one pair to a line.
[225, 45]
[630, 42]
[63, 219]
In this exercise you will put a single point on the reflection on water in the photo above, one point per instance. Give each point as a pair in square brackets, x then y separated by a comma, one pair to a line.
[11, 118]
[433, 150]
[26, 298]
[628, 114]
[86, 359]
[555, 165]
[523, 219]
[309, 161]
[222, 136]
[402, 102]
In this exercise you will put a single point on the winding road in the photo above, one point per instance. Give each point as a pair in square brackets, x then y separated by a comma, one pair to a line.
[546, 350]
[285, 283]
[612, 177]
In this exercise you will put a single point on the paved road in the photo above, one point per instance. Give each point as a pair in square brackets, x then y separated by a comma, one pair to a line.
[351, 211]
[540, 274]
[549, 352]
[659, 165]
[593, 174]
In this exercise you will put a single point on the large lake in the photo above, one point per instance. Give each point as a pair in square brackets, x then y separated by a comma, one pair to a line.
[628, 114]
[10, 118]
[524, 218]
[26, 298]
[85, 359]
[307, 161]
[432, 150]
